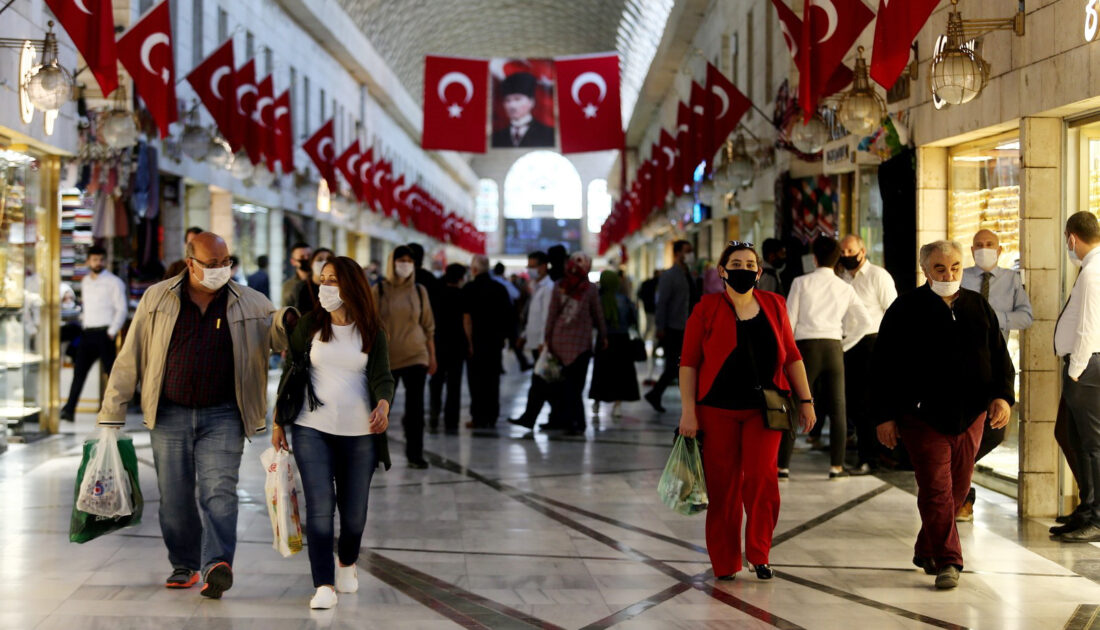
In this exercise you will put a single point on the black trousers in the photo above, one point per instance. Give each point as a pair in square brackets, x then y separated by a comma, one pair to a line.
[413, 377]
[567, 410]
[537, 396]
[449, 374]
[673, 344]
[95, 345]
[824, 359]
[484, 379]
[1082, 405]
[857, 396]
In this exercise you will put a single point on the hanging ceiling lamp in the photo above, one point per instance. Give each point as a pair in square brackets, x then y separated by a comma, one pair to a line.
[736, 168]
[195, 139]
[810, 137]
[118, 127]
[262, 177]
[48, 85]
[958, 72]
[241, 167]
[218, 152]
[861, 110]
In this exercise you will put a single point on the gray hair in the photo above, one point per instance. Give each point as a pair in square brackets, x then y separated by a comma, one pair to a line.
[479, 263]
[944, 247]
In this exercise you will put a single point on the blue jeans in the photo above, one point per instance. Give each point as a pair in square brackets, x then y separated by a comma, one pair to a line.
[198, 447]
[336, 471]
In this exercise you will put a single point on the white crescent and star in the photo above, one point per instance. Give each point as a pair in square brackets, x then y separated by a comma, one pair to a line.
[364, 171]
[722, 96]
[583, 79]
[147, 47]
[261, 104]
[671, 157]
[350, 163]
[378, 178]
[329, 155]
[216, 78]
[281, 111]
[80, 5]
[455, 110]
[241, 91]
[792, 43]
[830, 11]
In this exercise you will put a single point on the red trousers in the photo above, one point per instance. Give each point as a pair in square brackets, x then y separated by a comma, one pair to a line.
[943, 465]
[739, 462]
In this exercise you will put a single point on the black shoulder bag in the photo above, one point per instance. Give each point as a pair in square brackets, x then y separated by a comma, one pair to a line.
[295, 387]
[779, 407]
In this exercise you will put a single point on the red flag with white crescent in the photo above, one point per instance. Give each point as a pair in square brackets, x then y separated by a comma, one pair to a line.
[284, 137]
[725, 108]
[896, 27]
[320, 147]
[685, 147]
[146, 52]
[91, 26]
[264, 118]
[701, 127]
[214, 80]
[669, 164]
[829, 28]
[348, 165]
[791, 28]
[365, 169]
[248, 93]
[456, 104]
[589, 110]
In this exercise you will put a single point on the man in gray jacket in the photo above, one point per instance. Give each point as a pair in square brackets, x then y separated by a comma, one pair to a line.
[673, 308]
[199, 345]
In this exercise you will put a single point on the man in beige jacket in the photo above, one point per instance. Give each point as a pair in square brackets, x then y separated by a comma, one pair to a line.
[199, 345]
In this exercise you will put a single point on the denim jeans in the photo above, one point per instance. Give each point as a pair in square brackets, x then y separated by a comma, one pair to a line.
[198, 448]
[324, 461]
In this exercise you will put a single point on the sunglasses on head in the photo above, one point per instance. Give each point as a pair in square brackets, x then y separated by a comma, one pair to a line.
[740, 244]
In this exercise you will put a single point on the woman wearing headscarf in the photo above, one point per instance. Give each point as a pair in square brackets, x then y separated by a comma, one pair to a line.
[574, 312]
[613, 376]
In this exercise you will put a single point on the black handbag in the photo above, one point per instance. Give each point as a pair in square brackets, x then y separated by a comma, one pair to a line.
[295, 387]
[779, 407]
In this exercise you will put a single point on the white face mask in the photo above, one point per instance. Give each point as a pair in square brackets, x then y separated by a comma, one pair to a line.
[215, 278]
[946, 289]
[689, 258]
[329, 296]
[1073, 258]
[404, 269]
[319, 266]
[986, 258]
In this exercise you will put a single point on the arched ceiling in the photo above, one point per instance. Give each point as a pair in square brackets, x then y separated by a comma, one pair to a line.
[404, 31]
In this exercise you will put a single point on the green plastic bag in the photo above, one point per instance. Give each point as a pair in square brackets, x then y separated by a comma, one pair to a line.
[83, 526]
[682, 486]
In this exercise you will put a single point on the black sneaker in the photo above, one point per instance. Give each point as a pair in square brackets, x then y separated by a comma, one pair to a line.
[418, 464]
[182, 578]
[66, 415]
[841, 474]
[520, 422]
[219, 579]
[654, 401]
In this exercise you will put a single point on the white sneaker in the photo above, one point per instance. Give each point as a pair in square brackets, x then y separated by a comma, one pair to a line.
[323, 599]
[617, 410]
[347, 579]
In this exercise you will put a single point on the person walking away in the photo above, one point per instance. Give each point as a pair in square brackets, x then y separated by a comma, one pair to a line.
[199, 345]
[534, 336]
[1004, 290]
[258, 279]
[828, 319]
[513, 299]
[940, 367]
[300, 255]
[647, 297]
[105, 311]
[450, 348]
[613, 376]
[875, 288]
[737, 343]
[673, 306]
[341, 438]
[487, 318]
[308, 290]
[574, 311]
[1077, 342]
[406, 314]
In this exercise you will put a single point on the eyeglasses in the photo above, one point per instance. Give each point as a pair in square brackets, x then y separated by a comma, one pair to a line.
[740, 244]
[217, 265]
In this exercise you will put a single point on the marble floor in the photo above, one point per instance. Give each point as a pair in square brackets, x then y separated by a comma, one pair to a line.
[514, 530]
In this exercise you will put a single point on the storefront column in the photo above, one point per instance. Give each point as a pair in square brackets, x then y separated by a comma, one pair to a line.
[196, 213]
[1040, 251]
[932, 164]
[221, 216]
[276, 253]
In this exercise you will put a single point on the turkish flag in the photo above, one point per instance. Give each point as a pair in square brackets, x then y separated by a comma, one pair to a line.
[91, 26]
[215, 83]
[264, 119]
[700, 127]
[248, 93]
[146, 52]
[896, 28]
[456, 104]
[791, 28]
[365, 169]
[320, 147]
[726, 106]
[589, 110]
[827, 34]
[284, 137]
[397, 199]
[348, 165]
[660, 179]
[669, 163]
[378, 187]
[685, 147]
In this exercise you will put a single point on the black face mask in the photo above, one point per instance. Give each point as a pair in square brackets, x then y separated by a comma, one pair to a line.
[741, 280]
[303, 264]
[851, 263]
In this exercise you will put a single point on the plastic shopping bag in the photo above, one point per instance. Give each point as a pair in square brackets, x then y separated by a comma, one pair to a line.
[85, 526]
[105, 488]
[548, 367]
[682, 486]
[282, 501]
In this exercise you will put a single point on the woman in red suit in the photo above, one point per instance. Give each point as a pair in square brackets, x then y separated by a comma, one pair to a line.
[737, 342]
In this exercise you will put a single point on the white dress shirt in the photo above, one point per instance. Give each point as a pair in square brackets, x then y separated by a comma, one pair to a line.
[537, 311]
[105, 304]
[822, 306]
[1077, 333]
[1006, 295]
[875, 288]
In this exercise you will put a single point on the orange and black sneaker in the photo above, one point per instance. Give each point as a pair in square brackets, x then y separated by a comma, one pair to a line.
[219, 578]
[182, 578]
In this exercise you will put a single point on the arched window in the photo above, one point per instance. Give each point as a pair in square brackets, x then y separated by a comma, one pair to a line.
[599, 205]
[487, 214]
[543, 184]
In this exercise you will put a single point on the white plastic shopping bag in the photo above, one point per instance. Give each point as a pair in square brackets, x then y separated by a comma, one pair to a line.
[105, 488]
[282, 501]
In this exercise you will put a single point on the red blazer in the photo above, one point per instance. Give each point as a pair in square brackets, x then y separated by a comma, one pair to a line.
[711, 335]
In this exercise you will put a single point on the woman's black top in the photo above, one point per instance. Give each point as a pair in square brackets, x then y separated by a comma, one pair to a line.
[735, 386]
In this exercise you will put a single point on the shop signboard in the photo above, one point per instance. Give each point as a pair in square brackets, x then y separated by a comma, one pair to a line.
[844, 155]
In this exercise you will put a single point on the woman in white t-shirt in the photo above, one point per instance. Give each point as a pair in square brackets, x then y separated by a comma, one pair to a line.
[339, 436]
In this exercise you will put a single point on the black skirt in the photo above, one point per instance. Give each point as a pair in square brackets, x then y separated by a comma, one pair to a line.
[613, 374]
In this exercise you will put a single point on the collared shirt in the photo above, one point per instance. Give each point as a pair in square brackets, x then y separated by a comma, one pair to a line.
[537, 310]
[513, 292]
[673, 299]
[1077, 334]
[1006, 295]
[875, 288]
[198, 370]
[519, 129]
[822, 306]
[105, 304]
